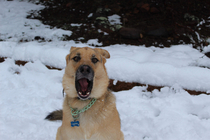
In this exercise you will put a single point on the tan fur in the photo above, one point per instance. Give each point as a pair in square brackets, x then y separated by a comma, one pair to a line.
[101, 121]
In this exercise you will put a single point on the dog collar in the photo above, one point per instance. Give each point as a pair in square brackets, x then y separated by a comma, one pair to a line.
[75, 112]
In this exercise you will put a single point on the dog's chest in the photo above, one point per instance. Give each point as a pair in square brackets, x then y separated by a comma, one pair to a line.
[82, 133]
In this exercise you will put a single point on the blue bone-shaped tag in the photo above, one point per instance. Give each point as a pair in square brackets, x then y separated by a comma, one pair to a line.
[74, 123]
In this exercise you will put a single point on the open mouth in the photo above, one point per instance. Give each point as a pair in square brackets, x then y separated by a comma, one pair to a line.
[84, 81]
[84, 87]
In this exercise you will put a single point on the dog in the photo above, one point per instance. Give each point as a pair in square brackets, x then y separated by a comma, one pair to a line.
[89, 108]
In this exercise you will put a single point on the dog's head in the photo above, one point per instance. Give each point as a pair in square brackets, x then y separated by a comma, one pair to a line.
[85, 73]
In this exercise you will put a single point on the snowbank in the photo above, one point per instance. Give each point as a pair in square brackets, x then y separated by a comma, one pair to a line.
[154, 66]
[15, 27]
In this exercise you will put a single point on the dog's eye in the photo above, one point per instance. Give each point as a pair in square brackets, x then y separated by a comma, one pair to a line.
[76, 58]
[94, 60]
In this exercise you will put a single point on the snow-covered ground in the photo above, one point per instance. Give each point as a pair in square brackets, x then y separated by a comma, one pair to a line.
[28, 93]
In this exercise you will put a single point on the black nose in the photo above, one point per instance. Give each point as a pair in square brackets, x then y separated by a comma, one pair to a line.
[85, 69]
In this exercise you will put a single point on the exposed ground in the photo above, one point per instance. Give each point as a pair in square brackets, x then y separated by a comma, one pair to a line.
[161, 22]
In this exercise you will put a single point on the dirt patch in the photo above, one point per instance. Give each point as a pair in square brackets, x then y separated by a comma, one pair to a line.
[161, 23]
[20, 62]
[121, 85]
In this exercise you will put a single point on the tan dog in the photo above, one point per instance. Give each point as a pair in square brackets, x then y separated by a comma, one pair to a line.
[85, 83]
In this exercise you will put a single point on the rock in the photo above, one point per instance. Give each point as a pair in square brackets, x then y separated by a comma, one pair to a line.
[68, 4]
[115, 8]
[207, 54]
[130, 33]
[145, 7]
[135, 11]
[154, 10]
[158, 32]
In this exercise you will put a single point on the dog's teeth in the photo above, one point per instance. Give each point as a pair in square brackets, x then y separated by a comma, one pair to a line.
[88, 93]
[80, 93]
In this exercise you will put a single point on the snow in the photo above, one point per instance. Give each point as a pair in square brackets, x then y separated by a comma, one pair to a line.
[170, 114]
[94, 42]
[114, 19]
[75, 24]
[14, 25]
[28, 93]
[90, 15]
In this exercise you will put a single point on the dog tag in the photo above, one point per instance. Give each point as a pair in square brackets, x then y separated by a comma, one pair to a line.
[75, 123]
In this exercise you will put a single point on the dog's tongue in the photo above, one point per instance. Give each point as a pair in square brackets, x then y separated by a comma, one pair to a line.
[84, 84]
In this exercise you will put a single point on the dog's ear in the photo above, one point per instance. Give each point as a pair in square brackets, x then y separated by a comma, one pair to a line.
[72, 49]
[67, 59]
[103, 52]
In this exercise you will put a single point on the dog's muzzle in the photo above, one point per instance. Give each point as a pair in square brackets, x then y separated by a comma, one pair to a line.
[84, 81]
